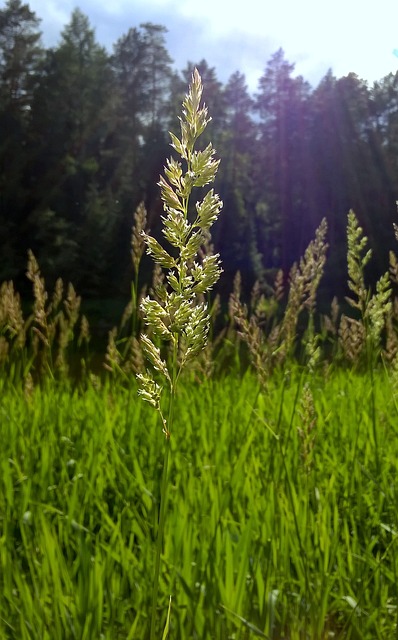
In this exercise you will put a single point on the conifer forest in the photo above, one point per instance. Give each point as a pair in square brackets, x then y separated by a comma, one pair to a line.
[85, 136]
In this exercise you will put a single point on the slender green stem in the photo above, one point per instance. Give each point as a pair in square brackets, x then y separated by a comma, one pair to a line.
[373, 410]
[159, 541]
[163, 493]
[186, 278]
[134, 296]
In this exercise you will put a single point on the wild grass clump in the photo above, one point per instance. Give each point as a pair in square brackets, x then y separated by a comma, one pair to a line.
[46, 342]
[361, 336]
[272, 340]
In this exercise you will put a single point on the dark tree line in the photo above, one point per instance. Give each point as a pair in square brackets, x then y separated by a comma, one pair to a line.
[84, 136]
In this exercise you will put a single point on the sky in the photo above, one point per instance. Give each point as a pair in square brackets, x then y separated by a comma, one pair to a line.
[241, 35]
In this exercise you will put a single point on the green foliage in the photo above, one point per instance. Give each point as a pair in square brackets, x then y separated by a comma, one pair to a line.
[278, 521]
[20, 56]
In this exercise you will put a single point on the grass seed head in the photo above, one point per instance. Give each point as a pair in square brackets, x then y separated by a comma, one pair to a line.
[137, 240]
[178, 313]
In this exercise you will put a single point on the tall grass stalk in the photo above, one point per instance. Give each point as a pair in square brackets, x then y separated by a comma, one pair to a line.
[374, 309]
[137, 251]
[179, 316]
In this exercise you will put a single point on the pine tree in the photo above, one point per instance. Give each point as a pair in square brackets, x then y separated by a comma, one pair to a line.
[20, 67]
[237, 233]
[72, 119]
[282, 106]
[21, 55]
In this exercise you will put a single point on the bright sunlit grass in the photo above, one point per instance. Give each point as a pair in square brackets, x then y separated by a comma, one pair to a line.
[280, 522]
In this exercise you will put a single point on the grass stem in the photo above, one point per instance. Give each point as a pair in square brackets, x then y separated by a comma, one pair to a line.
[159, 539]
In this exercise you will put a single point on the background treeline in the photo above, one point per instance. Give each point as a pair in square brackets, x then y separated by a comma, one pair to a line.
[84, 136]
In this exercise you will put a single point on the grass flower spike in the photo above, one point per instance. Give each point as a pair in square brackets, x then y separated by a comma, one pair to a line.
[178, 316]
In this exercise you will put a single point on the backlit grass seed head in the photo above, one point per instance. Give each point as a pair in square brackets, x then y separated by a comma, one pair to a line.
[39, 291]
[157, 290]
[177, 315]
[176, 228]
[72, 306]
[180, 309]
[196, 331]
[304, 282]
[84, 335]
[149, 390]
[357, 259]
[153, 355]
[156, 317]
[379, 308]
[57, 296]
[112, 356]
[156, 251]
[137, 241]
[11, 315]
[393, 267]
[351, 337]
[135, 362]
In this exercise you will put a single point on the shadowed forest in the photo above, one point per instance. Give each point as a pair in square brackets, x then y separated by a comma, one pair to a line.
[85, 137]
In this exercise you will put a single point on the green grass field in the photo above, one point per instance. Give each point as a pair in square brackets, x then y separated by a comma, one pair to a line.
[282, 512]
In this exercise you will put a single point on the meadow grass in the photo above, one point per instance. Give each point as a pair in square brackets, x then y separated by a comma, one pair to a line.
[178, 313]
[280, 475]
[282, 520]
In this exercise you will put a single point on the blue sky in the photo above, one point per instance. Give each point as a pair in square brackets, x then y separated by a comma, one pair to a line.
[345, 35]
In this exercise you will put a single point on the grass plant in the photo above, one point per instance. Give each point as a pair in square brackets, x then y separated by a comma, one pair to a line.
[179, 317]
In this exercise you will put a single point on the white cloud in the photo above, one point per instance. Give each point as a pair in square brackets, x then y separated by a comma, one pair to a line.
[347, 35]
